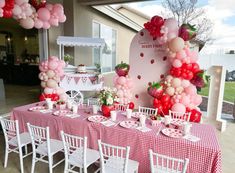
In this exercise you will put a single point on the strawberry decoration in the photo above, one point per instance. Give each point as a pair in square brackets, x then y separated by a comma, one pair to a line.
[156, 90]
[200, 79]
[122, 69]
[38, 3]
[187, 32]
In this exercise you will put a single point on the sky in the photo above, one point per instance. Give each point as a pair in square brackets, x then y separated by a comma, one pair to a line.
[220, 12]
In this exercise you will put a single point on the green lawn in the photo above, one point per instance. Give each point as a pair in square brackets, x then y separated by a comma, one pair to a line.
[229, 92]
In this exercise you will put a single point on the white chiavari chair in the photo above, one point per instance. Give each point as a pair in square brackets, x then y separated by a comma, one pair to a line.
[14, 140]
[76, 96]
[165, 164]
[77, 154]
[43, 146]
[121, 107]
[147, 111]
[115, 159]
[179, 115]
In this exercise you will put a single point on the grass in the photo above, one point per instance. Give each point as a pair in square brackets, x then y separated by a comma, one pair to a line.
[229, 91]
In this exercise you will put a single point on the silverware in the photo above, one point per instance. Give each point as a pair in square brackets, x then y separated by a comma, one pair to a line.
[117, 124]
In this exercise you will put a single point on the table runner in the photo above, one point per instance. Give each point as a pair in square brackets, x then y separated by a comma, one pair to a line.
[204, 155]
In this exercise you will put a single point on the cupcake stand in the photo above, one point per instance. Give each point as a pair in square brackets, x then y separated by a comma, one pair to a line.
[74, 82]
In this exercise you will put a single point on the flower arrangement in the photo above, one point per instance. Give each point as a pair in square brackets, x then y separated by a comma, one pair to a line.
[60, 104]
[67, 58]
[155, 117]
[107, 96]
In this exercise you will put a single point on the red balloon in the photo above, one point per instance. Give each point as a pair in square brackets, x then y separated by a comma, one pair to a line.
[195, 67]
[131, 105]
[7, 13]
[189, 75]
[195, 116]
[42, 97]
[187, 66]
[165, 98]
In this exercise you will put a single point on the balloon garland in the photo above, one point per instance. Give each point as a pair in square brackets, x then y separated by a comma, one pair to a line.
[177, 91]
[123, 83]
[51, 71]
[33, 13]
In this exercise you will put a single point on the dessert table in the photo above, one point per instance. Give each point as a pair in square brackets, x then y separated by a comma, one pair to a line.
[204, 155]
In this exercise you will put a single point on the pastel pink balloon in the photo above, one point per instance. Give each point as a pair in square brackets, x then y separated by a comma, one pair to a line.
[58, 9]
[171, 35]
[115, 80]
[191, 90]
[187, 51]
[181, 54]
[62, 63]
[38, 24]
[52, 83]
[120, 93]
[27, 23]
[42, 69]
[171, 24]
[178, 107]
[50, 73]
[197, 100]
[2, 3]
[130, 84]
[16, 10]
[121, 80]
[48, 90]
[53, 58]
[194, 57]
[49, 7]
[43, 14]
[62, 19]
[185, 83]
[43, 84]
[63, 97]
[20, 2]
[54, 21]
[170, 91]
[176, 44]
[177, 63]
[52, 65]
[176, 82]
[185, 100]
[60, 91]
[46, 25]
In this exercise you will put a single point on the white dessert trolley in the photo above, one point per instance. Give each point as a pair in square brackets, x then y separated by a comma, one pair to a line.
[74, 83]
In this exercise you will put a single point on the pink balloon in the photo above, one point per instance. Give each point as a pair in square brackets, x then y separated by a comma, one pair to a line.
[115, 80]
[177, 63]
[185, 100]
[58, 9]
[191, 90]
[43, 14]
[54, 21]
[64, 97]
[120, 93]
[181, 54]
[178, 107]
[171, 24]
[176, 44]
[197, 100]
[62, 19]
[194, 57]
[49, 7]
[60, 91]
[48, 90]
[16, 10]
[53, 58]
[62, 63]
[130, 84]
[46, 25]
[52, 65]
[20, 2]
[52, 83]
[2, 3]
[27, 23]
[176, 82]
[38, 24]
[43, 84]
[170, 91]
[185, 83]
[121, 80]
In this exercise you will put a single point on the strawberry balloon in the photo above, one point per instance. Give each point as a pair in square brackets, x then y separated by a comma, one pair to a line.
[187, 32]
[156, 90]
[122, 69]
[200, 79]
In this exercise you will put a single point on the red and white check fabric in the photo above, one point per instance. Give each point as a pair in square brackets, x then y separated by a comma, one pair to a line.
[204, 155]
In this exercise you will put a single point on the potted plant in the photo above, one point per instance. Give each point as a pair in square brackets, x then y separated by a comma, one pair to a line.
[122, 69]
[67, 58]
[106, 98]
[60, 104]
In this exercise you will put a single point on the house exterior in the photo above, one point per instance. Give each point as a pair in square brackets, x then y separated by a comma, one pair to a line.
[97, 21]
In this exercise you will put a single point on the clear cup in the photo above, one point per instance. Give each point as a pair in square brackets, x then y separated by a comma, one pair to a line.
[75, 108]
[50, 105]
[142, 120]
[69, 104]
[167, 119]
[48, 101]
[95, 109]
[128, 113]
[113, 115]
[186, 128]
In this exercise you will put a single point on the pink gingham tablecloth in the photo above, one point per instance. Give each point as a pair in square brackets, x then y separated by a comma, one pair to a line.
[204, 155]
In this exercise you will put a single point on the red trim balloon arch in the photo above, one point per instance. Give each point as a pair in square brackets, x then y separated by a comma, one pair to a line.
[33, 13]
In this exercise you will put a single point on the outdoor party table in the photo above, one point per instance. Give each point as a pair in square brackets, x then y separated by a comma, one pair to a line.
[204, 155]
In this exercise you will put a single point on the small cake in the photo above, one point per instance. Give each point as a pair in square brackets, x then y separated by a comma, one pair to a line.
[81, 68]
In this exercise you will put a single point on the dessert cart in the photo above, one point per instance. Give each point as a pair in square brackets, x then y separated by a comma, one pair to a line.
[74, 83]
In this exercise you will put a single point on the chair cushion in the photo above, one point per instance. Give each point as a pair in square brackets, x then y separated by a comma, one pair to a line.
[56, 146]
[24, 140]
[76, 157]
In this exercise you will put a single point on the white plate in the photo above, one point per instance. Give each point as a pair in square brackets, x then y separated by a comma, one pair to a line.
[174, 133]
[129, 124]
[62, 112]
[97, 118]
[177, 122]
[136, 114]
[37, 108]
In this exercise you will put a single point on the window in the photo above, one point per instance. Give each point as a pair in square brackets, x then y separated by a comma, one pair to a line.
[107, 55]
